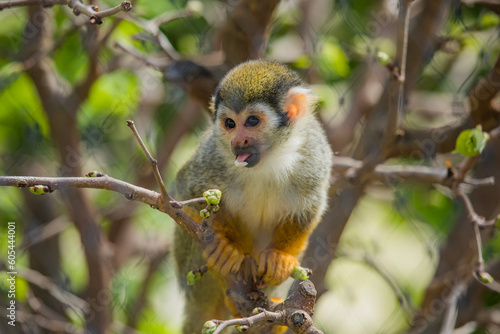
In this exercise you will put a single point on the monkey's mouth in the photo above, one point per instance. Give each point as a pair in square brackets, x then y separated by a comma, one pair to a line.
[247, 159]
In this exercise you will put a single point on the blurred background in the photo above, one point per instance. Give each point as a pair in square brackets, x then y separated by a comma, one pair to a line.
[395, 255]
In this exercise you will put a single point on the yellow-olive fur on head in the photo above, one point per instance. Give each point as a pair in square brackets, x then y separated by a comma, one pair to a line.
[263, 120]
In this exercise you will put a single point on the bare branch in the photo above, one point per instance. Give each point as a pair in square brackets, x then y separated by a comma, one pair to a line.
[295, 313]
[263, 317]
[78, 7]
[152, 161]
[105, 182]
[153, 27]
[386, 276]
[46, 283]
[397, 85]
[450, 317]
[135, 54]
[477, 222]
[180, 204]
[395, 97]
[391, 174]
[21, 3]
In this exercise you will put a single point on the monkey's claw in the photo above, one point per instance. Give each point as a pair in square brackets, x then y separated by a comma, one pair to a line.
[223, 257]
[276, 266]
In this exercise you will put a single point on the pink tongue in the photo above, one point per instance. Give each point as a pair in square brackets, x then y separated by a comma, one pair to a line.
[243, 157]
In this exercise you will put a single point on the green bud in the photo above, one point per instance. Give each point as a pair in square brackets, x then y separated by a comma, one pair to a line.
[94, 174]
[484, 277]
[256, 310]
[216, 208]
[204, 213]
[39, 189]
[471, 142]
[209, 327]
[383, 58]
[193, 277]
[212, 196]
[242, 328]
[300, 273]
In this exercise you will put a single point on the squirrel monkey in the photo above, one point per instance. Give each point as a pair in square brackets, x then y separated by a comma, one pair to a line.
[268, 154]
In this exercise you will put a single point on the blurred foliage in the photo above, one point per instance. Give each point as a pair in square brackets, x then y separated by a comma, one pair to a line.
[392, 228]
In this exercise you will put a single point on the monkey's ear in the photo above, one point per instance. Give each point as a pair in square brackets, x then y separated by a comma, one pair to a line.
[211, 105]
[296, 103]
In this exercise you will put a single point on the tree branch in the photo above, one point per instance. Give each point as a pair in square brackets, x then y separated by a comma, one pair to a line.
[78, 7]
[295, 313]
[391, 174]
[152, 161]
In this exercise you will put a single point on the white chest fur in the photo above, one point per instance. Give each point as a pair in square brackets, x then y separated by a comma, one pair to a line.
[266, 195]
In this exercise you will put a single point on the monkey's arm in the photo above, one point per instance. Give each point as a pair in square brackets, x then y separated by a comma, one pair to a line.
[289, 241]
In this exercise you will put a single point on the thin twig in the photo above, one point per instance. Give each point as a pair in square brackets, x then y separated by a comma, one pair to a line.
[135, 54]
[396, 97]
[396, 104]
[386, 276]
[152, 161]
[390, 174]
[450, 317]
[45, 283]
[44, 232]
[180, 204]
[153, 27]
[263, 317]
[22, 3]
[78, 7]
[170, 16]
[480, 274]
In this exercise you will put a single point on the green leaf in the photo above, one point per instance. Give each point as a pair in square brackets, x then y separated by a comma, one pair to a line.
[471, 142]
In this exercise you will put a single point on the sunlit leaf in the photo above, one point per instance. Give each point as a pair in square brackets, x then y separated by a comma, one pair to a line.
[471, 142]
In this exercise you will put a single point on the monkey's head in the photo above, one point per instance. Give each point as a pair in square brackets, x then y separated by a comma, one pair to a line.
[256, 107]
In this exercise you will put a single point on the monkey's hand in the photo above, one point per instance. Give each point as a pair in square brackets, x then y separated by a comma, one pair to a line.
[223, 257]
[276, 266]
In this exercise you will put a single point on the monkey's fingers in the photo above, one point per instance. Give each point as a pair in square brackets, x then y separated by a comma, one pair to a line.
[248, 270]
[276, 266]
[233, 261]
[222, 256]
[214, 255]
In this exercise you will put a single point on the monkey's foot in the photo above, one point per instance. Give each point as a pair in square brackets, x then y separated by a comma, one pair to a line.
[276, 266]
[222, 256]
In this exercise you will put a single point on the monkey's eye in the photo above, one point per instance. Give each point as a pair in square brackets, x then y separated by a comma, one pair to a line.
[229, 123]
[252, 121]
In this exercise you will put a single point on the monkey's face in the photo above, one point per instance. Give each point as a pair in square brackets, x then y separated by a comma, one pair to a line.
[255, 107]
[246, 133]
